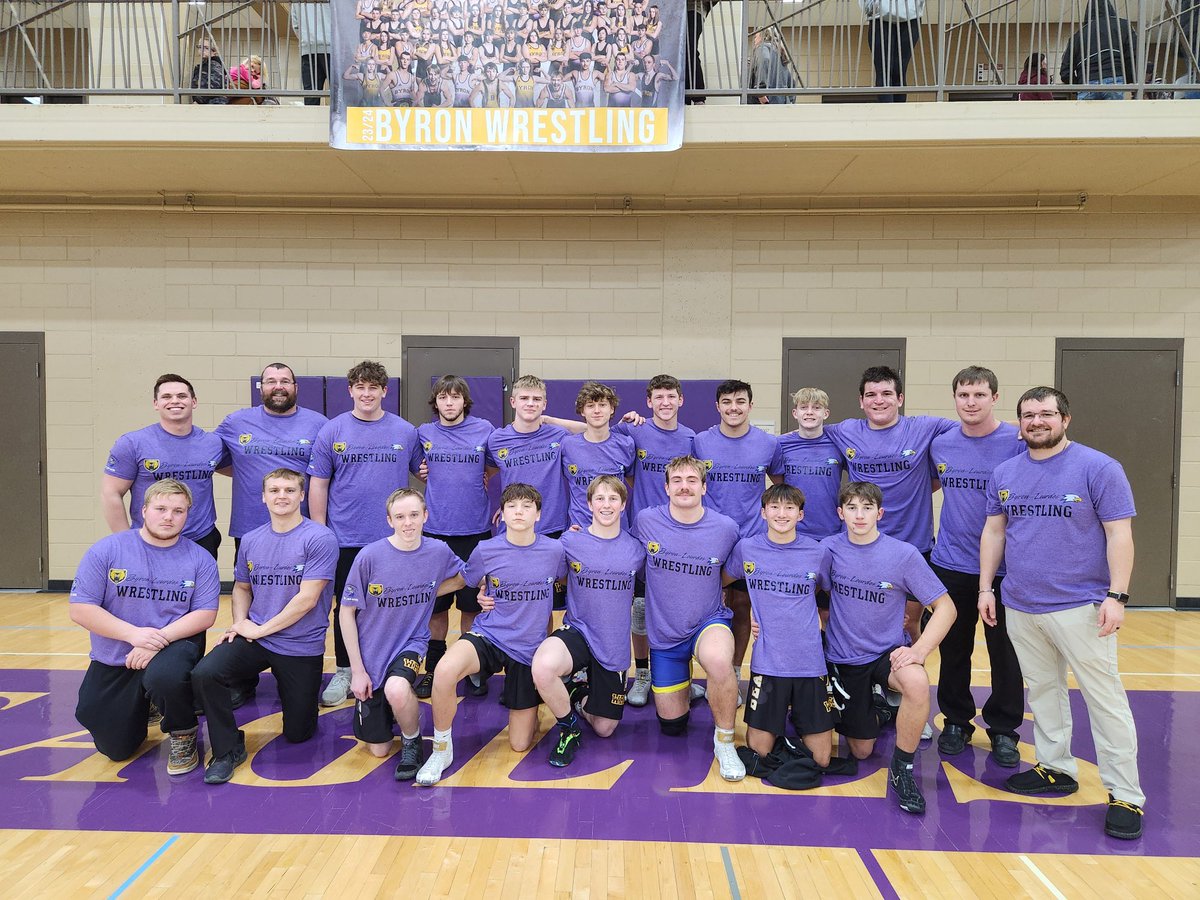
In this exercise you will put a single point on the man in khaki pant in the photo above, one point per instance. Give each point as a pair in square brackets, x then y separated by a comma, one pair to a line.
[1060, 515]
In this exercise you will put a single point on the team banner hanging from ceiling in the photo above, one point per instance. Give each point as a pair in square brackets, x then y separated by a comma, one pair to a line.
[587, 75]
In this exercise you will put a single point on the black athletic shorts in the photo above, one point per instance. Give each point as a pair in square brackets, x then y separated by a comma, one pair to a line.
[606, 689]
[858, 713]
[463, 545]
[519, 691]
[560, 589]
[809, 699]
[822, 599]
[346, 557]
[739, 585]
[373, 719]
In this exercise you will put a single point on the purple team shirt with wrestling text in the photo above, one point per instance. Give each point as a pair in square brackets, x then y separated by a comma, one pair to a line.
[153, 454]
[601, 573]
[533, 458]
[521, 581]
[869, 586]
[274, 564]
[783, 580]
[683, 572]
[393, 591]
[814, 465]
[455, 495]
[654, 447]
[365, 462]
[737, 474]
[1055, 546]
[144, 585]
[582, 460]
[964, 465]
[897, 460]
[258, 443]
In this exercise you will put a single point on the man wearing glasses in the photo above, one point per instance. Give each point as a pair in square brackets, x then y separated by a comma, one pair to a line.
[1060, 515]
[209, 73]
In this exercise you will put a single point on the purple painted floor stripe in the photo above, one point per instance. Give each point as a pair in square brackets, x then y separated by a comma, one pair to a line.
[878, 875]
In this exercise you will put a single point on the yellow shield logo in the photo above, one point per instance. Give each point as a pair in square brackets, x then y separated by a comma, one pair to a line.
[707, 464]
[941, 467]
[339, 446]
[573, 469]
[116, 576]
[851, 453]
[150, 465]
[245, 438]
[1004, 495]
[494, 581]
[641, 454]
[576, 566]
[653, 546]
[748, 567]
[374, 589]
[502, 453]
[428, 445]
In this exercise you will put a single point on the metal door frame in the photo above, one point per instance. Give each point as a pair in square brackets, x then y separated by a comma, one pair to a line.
[38, 338]
[831, 343]
[435, 342]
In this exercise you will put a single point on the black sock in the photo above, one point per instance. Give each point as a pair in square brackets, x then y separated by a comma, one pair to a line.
[902, 757]
[642, 662]
[570, 721]
[437, 649]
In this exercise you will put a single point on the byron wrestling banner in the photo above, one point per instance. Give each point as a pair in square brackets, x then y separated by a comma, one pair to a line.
[566, 75]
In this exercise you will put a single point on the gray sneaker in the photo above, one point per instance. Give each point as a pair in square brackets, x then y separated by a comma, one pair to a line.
[696, 692]
[639, 693]
[412, 754]
[338, 689]
[183, 757]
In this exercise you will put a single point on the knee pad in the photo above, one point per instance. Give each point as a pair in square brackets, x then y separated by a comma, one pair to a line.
[639, 616]
[674, 727]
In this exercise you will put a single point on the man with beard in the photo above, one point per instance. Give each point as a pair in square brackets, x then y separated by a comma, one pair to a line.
[1060, 515]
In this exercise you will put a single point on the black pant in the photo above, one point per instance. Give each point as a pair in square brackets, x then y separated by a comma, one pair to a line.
[1005, 707]
[210, 542]
[346, 557]
[891, 51]
[114, 701]
[694, 78]
[314, 74]
[298, 679]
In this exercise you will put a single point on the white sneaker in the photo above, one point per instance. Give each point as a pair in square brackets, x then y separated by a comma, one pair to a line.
[696, 692]
[639, 694]
[927, 732]
[439, 760]
[338, 688]
[732, 768]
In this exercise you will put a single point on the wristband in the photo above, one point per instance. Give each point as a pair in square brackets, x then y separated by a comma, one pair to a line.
[1119, 596]
[987, 590]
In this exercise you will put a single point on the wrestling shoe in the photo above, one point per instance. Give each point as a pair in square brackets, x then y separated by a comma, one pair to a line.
[564, 751]
[437, 763]
[424, 687]
[927, 732]
[900, 777]
[696, 692]
[412, 754]
[183, 757]
[476, 686]
[338, 689]
[731, 766]
[639, 693]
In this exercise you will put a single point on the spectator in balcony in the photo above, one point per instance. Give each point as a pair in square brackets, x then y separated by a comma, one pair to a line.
[696, 11]
[310, 22]
[209, 73]
[893, 30]
[769, 70]
[1102, 52]
[250, 76]
[1033, 72]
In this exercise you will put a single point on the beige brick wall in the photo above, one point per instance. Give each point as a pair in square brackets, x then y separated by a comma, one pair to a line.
[123, 297]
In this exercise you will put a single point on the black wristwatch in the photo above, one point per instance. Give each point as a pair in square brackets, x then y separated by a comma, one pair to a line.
[1120, 597]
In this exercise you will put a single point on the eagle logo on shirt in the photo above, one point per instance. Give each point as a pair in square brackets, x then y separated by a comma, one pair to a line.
[831, 461]
[339, 446]
[303, 441]
[245, 438]
[479, 448]
[428, 445]
[851, 453]
[748, 567]
[187, 583]
[576, 566]
[298, 568]
[760, 468]
[908, 452]
[811, 576]
[502, 453]
[494, 581]
[116, 576]
[1004, 495]
[941, 468]
[653, 546]
[397, 446]
[554, 445]
[1072, 498]
[112, 461]
[150, 465]
[641, 454]
[886, 585]
[573, 469]
[374, 589]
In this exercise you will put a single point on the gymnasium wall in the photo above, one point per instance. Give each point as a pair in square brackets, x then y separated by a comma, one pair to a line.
[123, 297]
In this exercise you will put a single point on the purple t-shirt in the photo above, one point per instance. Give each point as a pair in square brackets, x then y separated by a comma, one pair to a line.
[1055, 548]
[365, 461]
[654, 447]
[152, 454]
[274, 565]
[582, 461]
[600, 579]
[815, 466]
[964, 465]
[783, 580]
[144, 585]
[393, 591]
[737, 474]
[683, 572]
[258, 443]
[533, 458]
[454, 492]
[521, 581]
[897, 460]
[869, 585]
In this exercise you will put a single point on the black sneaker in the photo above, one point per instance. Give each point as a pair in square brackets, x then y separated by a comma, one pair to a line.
[476, 687]
[900, 777]
[885, 713]
[953, 739]
[412, 755]
[423, 687]
[1123, 820]
[242, 696]
[564, 750]
[220, 770]
[577, 692]
[1005, 752]
[1040, 780]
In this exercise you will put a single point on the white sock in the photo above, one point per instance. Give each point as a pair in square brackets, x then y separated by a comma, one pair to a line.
[441, 740]
[410, 737]
[723, 735]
